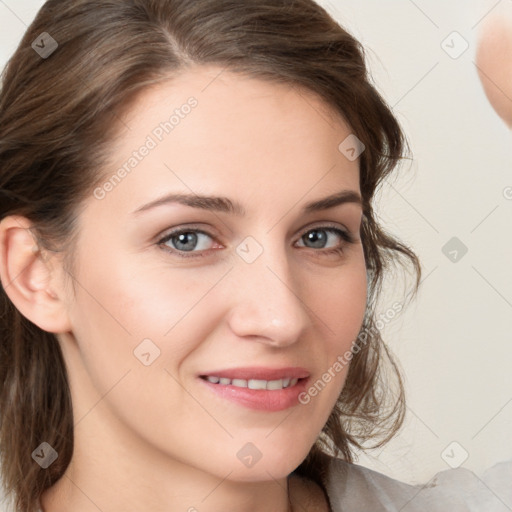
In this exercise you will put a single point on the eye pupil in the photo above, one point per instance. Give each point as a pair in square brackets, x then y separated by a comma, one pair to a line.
[183, 238]
[313, 236]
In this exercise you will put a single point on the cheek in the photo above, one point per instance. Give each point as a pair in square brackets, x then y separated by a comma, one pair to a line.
[344, 302]
[341, 306]
[116, 309]
[136, 325]
[132, 332]
[341, 303]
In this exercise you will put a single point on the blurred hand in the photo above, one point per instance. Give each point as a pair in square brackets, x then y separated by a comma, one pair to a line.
[494, 59]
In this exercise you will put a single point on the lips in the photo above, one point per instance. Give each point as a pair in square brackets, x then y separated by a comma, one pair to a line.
[258, 388]
[259, 373]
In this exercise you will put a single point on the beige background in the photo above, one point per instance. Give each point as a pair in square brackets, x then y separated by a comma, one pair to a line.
[455, 341]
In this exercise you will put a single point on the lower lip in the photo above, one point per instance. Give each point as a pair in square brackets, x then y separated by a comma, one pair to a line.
[260, 399]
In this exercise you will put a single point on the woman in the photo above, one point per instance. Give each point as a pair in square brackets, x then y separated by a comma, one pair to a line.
[190, 262]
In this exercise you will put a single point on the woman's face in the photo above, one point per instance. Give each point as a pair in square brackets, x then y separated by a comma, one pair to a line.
[154, 312]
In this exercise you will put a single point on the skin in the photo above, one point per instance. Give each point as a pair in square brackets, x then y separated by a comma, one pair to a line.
[155, 434]
[494, 59]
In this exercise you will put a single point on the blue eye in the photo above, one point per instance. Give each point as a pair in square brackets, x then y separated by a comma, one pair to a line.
[183, 240]
[186, 240]
[313, 236]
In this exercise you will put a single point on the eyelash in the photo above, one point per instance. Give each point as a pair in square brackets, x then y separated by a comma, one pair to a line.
[345, 235]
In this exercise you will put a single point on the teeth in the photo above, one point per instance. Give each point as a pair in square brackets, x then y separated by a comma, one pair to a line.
[273, 384]
[262, 384]
[253, 383]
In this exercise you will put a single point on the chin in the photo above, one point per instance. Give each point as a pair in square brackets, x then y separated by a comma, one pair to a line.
[257, 462]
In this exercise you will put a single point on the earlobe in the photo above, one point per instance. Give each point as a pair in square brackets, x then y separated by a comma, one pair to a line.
[28, 278]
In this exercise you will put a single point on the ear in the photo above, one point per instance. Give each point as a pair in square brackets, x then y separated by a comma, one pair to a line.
[34, 286]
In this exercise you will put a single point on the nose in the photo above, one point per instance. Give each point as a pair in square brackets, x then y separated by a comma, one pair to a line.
[267, 303]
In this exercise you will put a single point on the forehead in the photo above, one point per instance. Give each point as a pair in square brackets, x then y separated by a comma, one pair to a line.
[208, 126]
[232, 108]
[228, 90]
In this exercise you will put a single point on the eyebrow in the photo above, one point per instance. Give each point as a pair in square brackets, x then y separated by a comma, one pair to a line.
[226, 205]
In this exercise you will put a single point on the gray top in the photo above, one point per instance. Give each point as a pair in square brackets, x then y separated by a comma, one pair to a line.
[354, 488]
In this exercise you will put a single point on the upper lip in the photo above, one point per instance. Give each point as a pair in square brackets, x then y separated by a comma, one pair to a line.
[260, 373]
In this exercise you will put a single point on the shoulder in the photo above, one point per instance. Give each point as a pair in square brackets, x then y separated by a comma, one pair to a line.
[354, 487]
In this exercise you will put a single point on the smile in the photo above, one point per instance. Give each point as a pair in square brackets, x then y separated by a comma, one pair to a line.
[252, 383]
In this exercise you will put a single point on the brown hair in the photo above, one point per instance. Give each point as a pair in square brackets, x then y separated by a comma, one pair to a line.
[53, 110]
